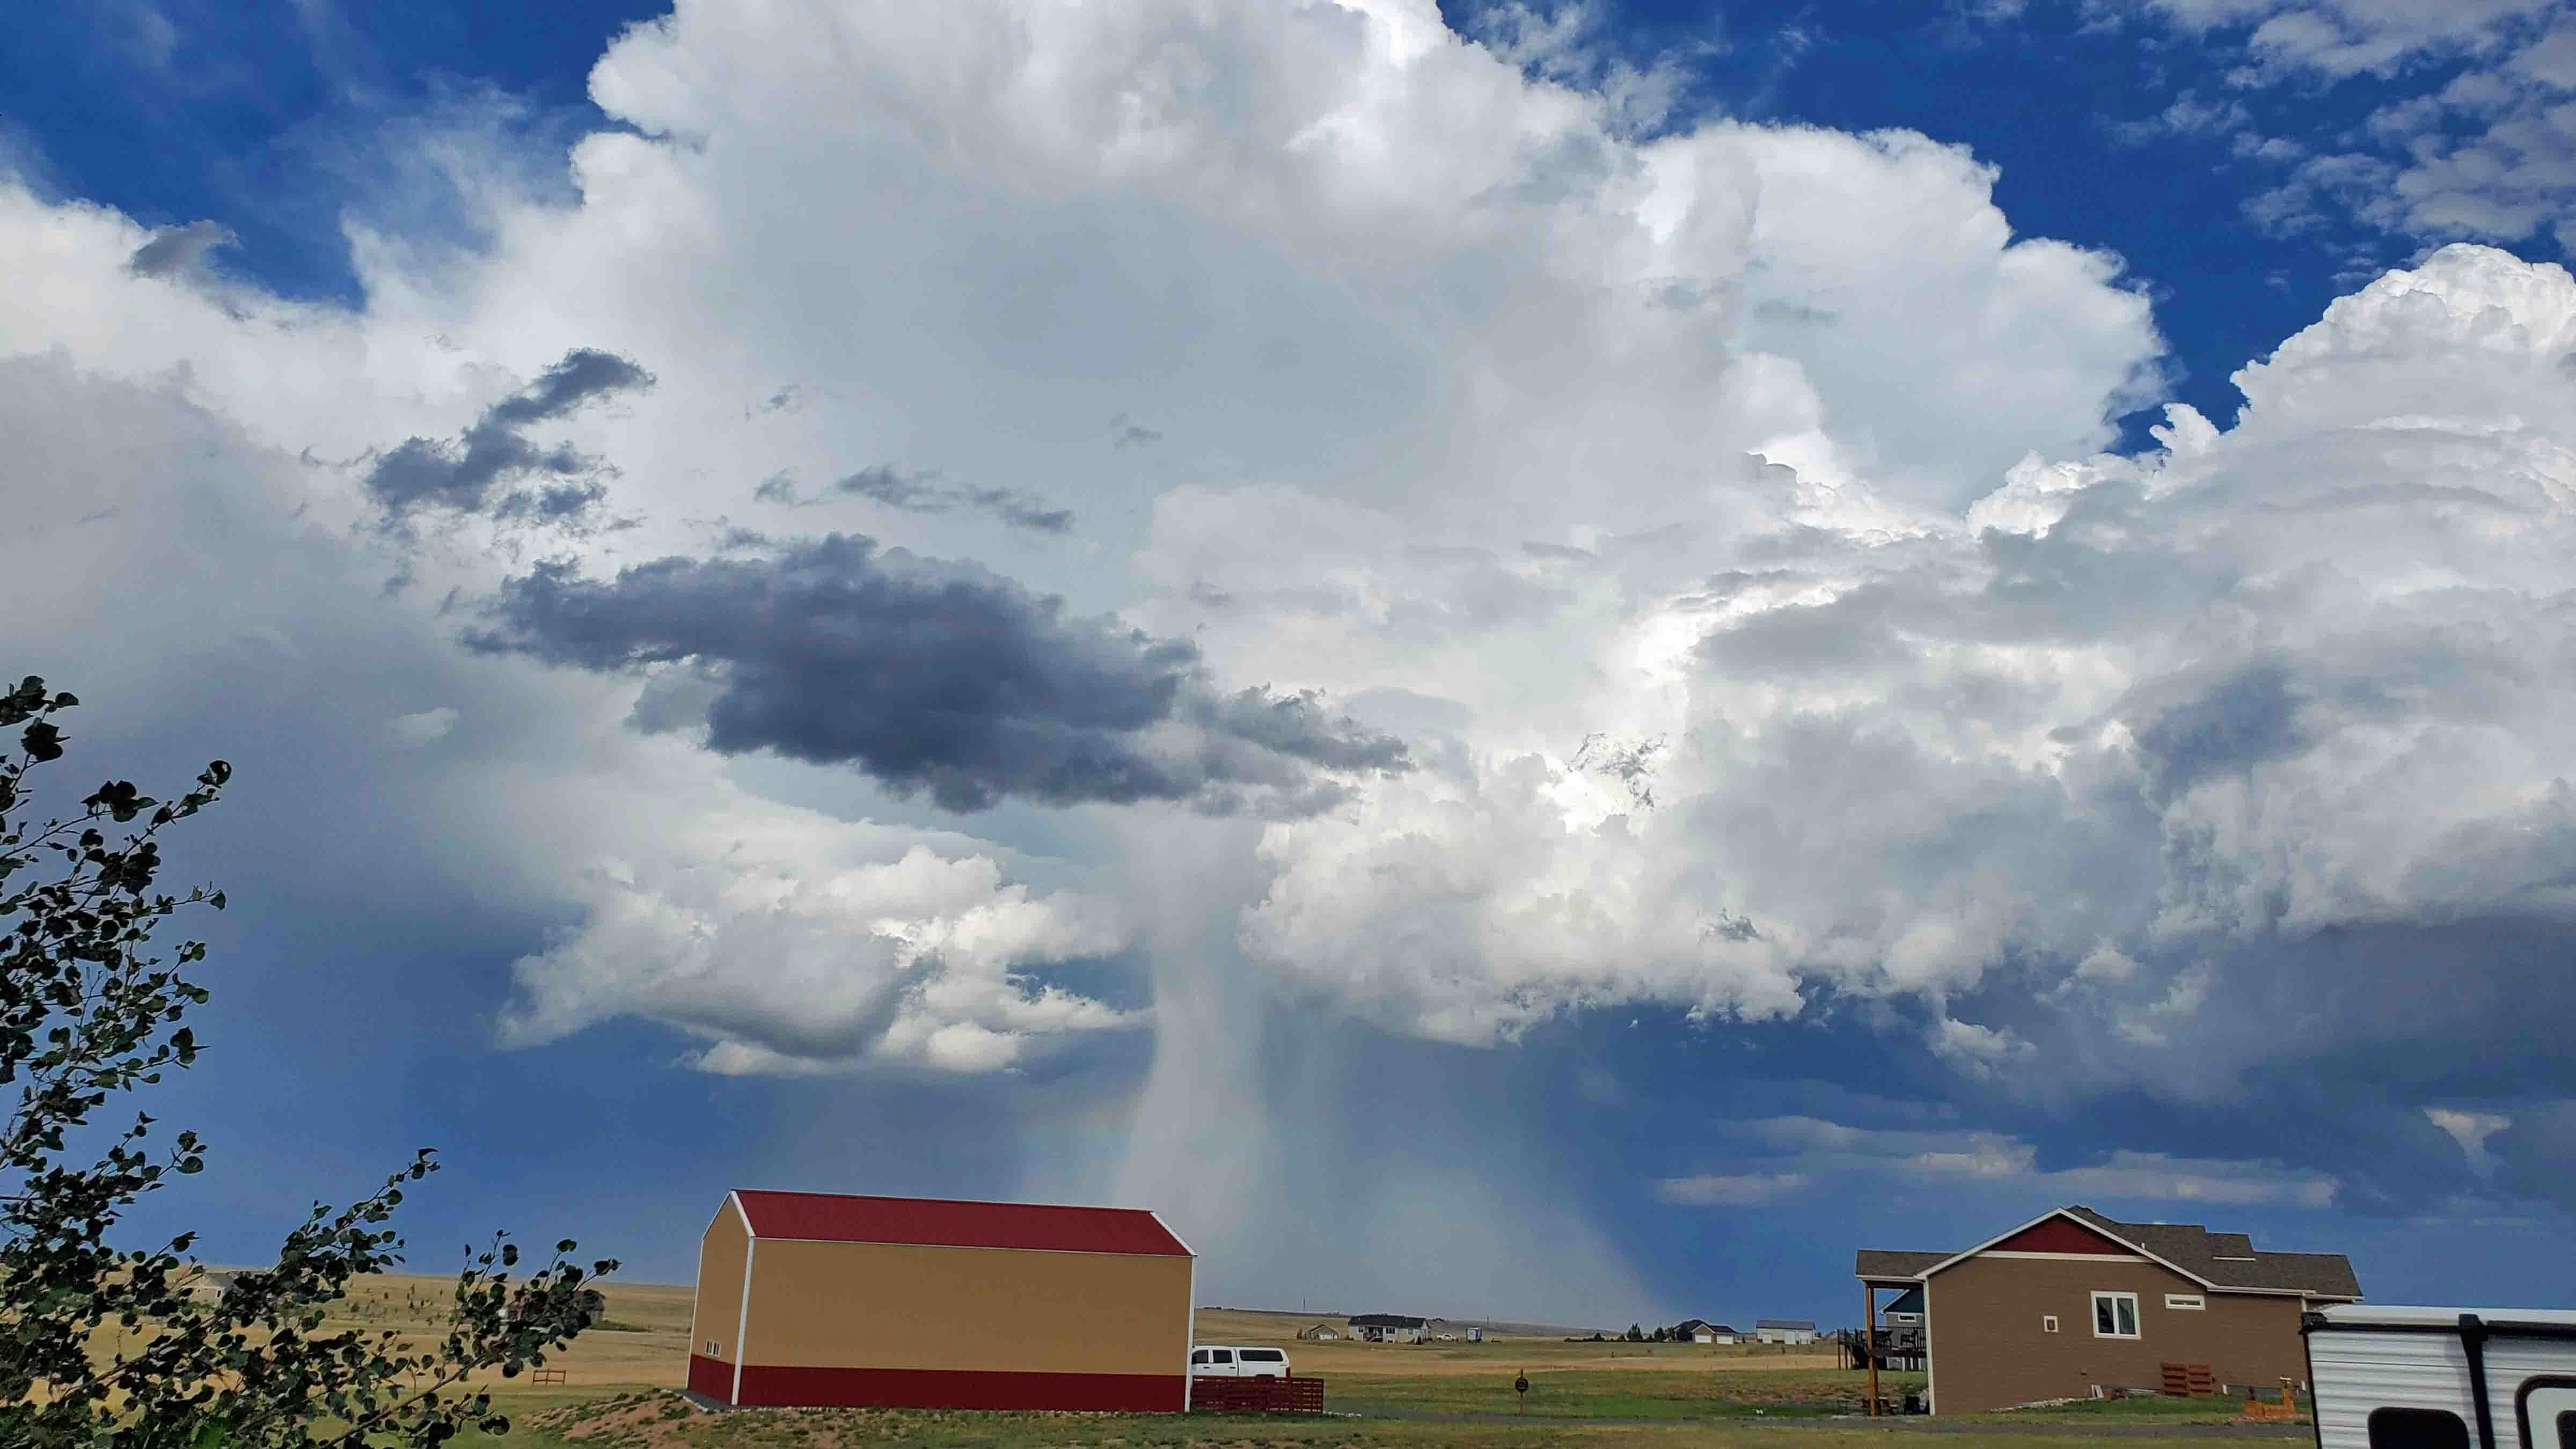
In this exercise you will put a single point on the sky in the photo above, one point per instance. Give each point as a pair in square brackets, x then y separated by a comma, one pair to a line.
[1534, 661]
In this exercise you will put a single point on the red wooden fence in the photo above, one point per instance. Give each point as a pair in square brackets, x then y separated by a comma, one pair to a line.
[1256, 1396]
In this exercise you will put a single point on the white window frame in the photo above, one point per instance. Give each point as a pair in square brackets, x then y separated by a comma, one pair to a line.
[2048, 1323]
[2186, 1302]
[2115, 1296]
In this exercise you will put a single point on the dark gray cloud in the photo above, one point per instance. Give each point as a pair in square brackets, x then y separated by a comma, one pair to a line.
[1559, 552]
[464, 476]
[923, 491]
[179, 250]
[1129, 434]
[931, 675]
[917, 492]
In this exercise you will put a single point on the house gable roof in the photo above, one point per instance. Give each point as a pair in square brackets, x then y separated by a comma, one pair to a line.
[2221, 1262]
[945, 1223]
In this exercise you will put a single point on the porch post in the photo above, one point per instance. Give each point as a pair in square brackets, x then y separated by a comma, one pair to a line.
[1869, 1339]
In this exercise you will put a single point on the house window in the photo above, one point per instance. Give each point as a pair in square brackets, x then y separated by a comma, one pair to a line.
[2048, 1323]
[2417, 1429]
[2184, 1300]
[2115, 1315]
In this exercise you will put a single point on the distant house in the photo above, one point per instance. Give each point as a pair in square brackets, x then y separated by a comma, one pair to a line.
[1783, 1330]
[1905, 1310]
[1386, 1327]
[1319, 1333]
[1475, 1333]
[1700, 1330]
[2073, 1303]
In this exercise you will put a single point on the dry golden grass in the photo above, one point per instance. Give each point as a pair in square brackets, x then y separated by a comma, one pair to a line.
[1346, 1358]
[643, 1342]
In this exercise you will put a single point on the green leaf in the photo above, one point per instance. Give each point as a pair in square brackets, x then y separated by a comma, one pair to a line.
[43, 741]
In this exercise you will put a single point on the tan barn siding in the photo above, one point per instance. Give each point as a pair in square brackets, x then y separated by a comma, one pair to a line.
[885, 1306]
[1988, 1351]
[719, 1311]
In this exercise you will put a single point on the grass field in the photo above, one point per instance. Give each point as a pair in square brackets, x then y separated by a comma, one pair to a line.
[1406, 1396]
[1618, 1393]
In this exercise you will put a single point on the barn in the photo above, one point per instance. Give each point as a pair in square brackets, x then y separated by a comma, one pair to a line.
[810, 1299]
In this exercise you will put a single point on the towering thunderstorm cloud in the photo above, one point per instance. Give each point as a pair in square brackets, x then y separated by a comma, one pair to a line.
[933, 675]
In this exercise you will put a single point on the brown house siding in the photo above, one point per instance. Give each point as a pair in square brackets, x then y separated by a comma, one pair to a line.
[719, 1310]
[1988, 1350]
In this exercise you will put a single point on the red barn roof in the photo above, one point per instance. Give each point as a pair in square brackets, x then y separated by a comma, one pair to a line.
[939, 1222]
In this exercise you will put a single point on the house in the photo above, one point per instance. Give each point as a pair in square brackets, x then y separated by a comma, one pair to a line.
[2075, 1303]
[1386, 1328]
[1783, 1330]
[1475, 1333]
[1700, 1330]
[1320, 1333]
[812, 1299]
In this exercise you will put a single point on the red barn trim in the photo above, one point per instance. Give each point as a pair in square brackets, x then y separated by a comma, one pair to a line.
[774, 1387]
[711, 1377]
[942, 1223]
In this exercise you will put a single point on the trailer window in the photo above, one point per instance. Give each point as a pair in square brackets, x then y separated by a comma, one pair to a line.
[2546, 1409]
[2417, 1429]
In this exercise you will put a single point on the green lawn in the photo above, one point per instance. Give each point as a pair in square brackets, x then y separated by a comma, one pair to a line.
[2209, 1408]
[1653, 1409]
[871, 1428]
[1622, 1394]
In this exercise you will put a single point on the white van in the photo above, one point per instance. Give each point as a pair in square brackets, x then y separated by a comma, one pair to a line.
[1218, 1361]
[2442, 1378]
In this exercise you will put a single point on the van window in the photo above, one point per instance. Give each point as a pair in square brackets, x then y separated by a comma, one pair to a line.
[1198, 1355]
[2417, 1429]
[2567, 1430]
[1221, 1355]
[1262, 1355]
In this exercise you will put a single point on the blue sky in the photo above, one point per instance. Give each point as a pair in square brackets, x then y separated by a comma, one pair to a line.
[1745, 811]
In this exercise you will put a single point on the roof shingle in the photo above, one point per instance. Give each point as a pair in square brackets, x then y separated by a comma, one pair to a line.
[1885, 1263]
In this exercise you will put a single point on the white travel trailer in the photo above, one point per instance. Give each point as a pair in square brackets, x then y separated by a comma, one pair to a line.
[2442, 1378]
